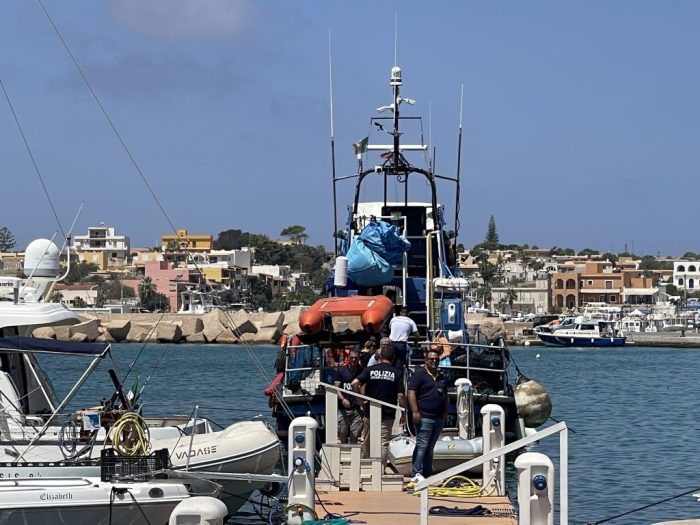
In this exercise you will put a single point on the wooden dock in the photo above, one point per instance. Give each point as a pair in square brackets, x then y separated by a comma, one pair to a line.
[403, 508]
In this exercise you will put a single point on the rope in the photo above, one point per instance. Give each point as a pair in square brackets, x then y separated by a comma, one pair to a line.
[458, 487]
[130, 435]
[643, 507]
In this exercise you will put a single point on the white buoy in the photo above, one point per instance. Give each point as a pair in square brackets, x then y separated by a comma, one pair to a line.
[537, 356]
[527, 343]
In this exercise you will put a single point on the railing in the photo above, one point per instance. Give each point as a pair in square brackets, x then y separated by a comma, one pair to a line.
[560, 428]
[375, 417]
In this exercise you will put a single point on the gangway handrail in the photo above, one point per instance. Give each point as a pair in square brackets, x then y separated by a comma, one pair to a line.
[559, 428]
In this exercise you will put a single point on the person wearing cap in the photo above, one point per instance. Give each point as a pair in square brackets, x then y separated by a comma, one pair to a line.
[402, 328]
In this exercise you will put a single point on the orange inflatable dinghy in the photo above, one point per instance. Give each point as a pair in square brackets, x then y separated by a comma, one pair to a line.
[371, 311]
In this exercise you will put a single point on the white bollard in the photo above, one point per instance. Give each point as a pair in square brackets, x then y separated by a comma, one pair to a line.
[465, 408]
[199, 510]
[302, 447]
[535, 489]
[493, 430]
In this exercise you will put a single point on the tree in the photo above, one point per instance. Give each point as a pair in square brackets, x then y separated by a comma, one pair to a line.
[147, 290]
[79, 302]
[80, 271]
[510, 297]
[7, 240]
[537, 265]
[296, 233]
[56, 297]
[492, 238]
[610, 257]
[588, 252]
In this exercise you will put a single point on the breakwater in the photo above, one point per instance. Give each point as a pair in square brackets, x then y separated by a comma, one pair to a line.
[216, 327]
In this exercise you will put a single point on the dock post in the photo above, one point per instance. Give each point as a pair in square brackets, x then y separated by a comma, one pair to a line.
[535, 489]
[492, 425]
[302, 447]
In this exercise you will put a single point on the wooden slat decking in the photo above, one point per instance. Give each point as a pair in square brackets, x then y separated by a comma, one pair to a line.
[402, 508]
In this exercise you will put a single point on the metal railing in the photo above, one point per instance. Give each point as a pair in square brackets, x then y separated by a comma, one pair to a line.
[560, 428]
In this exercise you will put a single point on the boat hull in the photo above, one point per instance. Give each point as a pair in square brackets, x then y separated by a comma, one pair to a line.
[580, 341]
[449, 452]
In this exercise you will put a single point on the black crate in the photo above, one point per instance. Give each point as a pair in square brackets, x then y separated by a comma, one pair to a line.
[115, 467]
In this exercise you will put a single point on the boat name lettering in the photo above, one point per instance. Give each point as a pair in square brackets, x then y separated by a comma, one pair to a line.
[197, 452]
[47, 496]
[386, 375]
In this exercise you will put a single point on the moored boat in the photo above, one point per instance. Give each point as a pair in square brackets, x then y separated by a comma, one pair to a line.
[585, 333]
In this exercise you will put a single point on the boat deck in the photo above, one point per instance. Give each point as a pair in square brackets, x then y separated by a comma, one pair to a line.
[403, 508]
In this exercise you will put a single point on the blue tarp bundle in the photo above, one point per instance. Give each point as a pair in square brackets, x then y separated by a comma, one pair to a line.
[373, 252]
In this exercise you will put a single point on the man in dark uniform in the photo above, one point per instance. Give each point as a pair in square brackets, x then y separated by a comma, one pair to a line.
[349, 413]
[427, 401]
[385, 383]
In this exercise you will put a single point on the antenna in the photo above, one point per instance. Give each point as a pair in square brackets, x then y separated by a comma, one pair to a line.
[396, 36]
[459, 164]
[330, 89]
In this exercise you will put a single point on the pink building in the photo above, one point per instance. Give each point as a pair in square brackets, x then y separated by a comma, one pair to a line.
[169, 280]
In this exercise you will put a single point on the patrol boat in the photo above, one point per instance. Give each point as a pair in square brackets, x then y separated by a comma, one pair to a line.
[402, 250]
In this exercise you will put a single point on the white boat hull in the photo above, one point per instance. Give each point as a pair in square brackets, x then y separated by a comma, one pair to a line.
[449, 451]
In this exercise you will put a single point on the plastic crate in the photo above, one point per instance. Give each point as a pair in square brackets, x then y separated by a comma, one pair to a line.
[115, 467]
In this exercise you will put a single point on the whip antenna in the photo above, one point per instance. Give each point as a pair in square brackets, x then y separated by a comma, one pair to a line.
[459, 163]
[330, 90]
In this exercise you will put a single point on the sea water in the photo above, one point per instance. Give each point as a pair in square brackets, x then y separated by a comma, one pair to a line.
[632, 412]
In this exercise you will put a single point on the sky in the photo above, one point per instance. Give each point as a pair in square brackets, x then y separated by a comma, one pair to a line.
[581, 120]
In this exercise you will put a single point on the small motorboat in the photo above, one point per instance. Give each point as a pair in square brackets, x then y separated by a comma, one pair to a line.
[90, 501]
[347, 313]
[450, 450]
[585, 332]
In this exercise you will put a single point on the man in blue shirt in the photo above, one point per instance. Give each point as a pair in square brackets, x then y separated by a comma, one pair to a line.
[427, 401]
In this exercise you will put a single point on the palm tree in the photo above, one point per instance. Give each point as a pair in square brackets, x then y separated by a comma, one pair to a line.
[510, 297]
[146, 290]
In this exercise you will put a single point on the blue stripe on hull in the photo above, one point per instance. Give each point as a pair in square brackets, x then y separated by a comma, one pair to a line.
[554, 340]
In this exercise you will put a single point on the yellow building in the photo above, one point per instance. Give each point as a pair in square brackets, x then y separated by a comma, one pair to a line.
[186, 242]
[94, 257]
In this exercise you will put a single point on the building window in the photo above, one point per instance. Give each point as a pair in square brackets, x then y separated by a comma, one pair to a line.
[691, 283]
[590, 282]
[680, 282]
[681, 268]
[601, 298]
[691, 268]
[613, 298]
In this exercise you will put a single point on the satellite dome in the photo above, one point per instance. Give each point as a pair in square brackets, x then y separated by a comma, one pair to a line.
[41, 259]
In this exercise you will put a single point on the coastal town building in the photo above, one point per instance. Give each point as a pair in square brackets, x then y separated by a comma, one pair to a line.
[102, 247]
[531, 297]
[186, 242]
[600, 283]
[277, 276]
[686, 275]
[11, 263]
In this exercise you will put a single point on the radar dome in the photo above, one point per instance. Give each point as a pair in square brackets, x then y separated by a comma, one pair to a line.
[41, 259]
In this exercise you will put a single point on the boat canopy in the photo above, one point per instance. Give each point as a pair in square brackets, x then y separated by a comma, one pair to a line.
[50, 346]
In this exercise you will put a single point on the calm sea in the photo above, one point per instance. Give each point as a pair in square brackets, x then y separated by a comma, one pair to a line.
[633, 410]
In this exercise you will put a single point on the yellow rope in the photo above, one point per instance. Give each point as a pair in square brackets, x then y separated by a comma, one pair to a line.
[130, 435]
[466, 488]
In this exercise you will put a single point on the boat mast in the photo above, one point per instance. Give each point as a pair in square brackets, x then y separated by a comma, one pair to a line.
[335, 198]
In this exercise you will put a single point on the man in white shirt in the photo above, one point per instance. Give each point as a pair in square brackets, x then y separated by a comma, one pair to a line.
[402, 327]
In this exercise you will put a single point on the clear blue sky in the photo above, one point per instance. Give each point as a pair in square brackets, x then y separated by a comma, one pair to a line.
[581, 119]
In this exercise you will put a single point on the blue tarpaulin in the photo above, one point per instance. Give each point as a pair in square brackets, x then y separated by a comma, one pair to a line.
[373, 252]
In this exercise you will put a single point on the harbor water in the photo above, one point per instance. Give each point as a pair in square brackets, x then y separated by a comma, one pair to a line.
[632, 412]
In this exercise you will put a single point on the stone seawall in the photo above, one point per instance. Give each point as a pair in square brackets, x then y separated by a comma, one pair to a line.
[214, 327]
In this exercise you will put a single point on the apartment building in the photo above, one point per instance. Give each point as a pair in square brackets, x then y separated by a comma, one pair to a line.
[103, 247]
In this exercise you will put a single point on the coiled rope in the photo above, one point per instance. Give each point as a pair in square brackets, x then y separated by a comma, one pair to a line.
[130, 435]
[458, 487]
